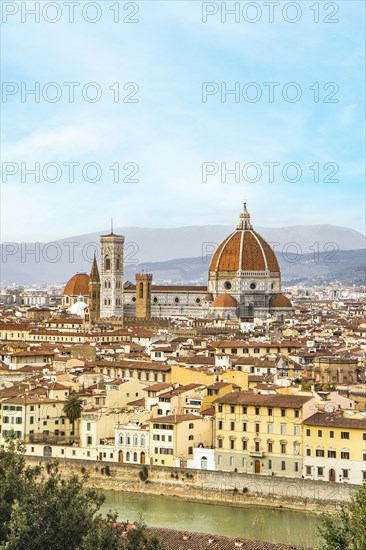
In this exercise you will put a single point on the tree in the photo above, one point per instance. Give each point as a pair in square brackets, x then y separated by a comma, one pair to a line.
[346, 528]
[72, 408]
[39, 509]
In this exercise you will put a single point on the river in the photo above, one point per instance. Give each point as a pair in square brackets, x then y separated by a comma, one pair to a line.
[252, 522]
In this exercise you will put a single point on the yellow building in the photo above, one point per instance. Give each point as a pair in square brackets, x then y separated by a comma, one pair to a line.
[208, 376]
[36, 419]
[214, 391]
[260, 433]
[172, 438]
[335, 447]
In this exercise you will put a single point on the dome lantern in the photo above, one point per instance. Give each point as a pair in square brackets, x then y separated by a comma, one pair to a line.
[244, 219]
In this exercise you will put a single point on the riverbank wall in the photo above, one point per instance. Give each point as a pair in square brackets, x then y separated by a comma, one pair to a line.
[205, 486]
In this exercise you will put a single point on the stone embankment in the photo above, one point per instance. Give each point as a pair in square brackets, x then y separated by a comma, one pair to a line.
[230, 488]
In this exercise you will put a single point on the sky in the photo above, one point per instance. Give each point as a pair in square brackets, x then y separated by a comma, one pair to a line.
[153, 134]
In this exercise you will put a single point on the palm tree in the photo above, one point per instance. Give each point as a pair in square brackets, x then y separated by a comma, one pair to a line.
[72, 409]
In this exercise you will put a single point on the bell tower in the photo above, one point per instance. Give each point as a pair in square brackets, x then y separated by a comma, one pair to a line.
[143, 295]
[111, 268]
[94, 293]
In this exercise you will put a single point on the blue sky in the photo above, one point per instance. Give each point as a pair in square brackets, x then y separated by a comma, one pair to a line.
[170, 132]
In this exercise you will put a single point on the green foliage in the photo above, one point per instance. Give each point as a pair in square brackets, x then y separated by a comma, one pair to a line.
[39, 510]
[139, 540]
[346, 528]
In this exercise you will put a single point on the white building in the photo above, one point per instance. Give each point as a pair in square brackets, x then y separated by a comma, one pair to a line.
[132, 443]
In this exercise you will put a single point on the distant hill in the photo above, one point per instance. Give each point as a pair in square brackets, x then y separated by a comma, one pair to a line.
[29, 263]
[345, 266]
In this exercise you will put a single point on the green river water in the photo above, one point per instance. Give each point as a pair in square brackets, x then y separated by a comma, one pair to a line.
[252, 522]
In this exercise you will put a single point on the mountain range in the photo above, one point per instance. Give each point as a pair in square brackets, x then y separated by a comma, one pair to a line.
[182, 254]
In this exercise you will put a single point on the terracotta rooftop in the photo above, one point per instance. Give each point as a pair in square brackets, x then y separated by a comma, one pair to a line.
[279, 301]
[181, 389]
[272, 400]
[175, 418]
[78, 285]
[177, 540]
[137, 403]
[224, 300]
[160, 386]
[244, 250]
[196, 360]
[337, 419]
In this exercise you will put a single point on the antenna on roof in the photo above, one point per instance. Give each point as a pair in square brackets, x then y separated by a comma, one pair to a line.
[111, 226]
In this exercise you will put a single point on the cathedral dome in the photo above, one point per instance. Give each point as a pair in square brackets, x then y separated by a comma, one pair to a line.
[244, 250]
[280, 301]
[224, 300]
[78, 285]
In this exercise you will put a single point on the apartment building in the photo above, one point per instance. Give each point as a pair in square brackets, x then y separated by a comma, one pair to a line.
[335, 447]
[260, 433]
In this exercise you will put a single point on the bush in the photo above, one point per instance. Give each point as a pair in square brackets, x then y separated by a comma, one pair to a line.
[346, 528]
[39, 511]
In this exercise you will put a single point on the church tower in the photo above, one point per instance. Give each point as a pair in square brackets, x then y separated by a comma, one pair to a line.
[94, 293]
[111, 264]
[143, 295]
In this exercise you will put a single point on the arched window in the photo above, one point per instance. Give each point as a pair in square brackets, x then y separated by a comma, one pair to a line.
[135, 457]
[128, 439]
[94, 294]
[67, 300]
[128, 456]
[135, 440]
[142, 441]
[121, 439]
[203, 463]
[141, 290]
[117, 264]
[107, 263]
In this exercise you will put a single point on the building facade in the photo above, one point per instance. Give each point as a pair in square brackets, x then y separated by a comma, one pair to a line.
[335, 447]
[260, 434]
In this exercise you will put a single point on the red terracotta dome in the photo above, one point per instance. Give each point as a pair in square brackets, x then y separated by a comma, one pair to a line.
[224, 300]
[279, 301]
[244, 250]
[208, 297]
[78, 285]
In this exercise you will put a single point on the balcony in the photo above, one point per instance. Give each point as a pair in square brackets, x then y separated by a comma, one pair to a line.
[256, 454]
